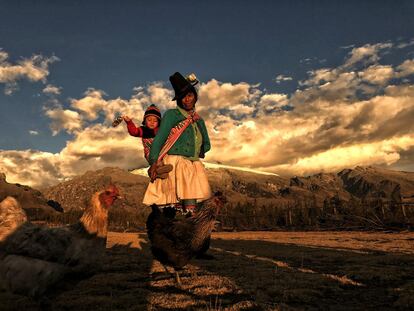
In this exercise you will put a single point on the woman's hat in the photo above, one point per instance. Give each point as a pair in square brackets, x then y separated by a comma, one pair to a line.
[182, 85]
[152, 111]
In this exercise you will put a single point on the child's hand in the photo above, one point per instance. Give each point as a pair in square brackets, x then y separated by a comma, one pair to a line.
[126, 118]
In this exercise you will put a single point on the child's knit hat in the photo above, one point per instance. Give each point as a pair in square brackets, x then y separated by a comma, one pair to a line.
[152, 111]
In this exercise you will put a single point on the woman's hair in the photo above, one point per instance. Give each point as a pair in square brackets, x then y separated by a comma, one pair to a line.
[192, 90]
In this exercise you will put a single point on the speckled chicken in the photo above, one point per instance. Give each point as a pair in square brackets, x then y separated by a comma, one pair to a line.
[32, 257]
[174, 242]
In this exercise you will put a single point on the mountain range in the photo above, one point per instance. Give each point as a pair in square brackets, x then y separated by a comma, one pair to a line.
[239, 186]
[366, 183]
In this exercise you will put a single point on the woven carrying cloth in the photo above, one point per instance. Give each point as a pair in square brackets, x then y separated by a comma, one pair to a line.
[175, 133]
[146, 143]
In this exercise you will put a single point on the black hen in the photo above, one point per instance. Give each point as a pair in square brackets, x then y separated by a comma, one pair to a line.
[174, 242]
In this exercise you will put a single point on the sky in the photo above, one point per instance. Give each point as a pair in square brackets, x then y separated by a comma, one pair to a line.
[288, 87]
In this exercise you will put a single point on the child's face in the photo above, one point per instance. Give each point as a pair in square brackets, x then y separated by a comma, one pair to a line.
[151, 122]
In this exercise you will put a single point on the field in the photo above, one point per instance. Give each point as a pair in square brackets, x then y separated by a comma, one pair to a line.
[252, 271]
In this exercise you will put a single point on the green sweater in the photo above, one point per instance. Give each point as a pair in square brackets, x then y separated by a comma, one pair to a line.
[186, 144]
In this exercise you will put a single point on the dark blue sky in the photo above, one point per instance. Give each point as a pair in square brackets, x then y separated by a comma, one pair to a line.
[117, 45]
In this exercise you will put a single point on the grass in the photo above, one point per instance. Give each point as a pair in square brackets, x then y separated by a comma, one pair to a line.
[252, 271]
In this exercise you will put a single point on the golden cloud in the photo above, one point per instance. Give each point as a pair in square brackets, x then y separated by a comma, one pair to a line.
[326, 128]
[91, 104]
[52, 90]
[383, 152]
[31, 167]
[63, 119]
[377, 74]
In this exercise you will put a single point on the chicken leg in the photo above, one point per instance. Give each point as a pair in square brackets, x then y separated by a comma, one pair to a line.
[177, 278]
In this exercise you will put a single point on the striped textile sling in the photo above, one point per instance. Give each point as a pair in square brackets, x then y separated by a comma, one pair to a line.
[175, 133]
[147, 143]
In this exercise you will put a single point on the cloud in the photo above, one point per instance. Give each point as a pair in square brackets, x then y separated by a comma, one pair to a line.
[361, 73]
[329, 119]
[316, 135]
[160, 95]
[3, 56]
[312, 60]
[379, 153]
[281, 78]
[331, 84]
[34, 69]
[369, 53]
[102, 146]
[217, 95]
[345, 47]
[91, 104]
[241, 110]
[307, 60]
[406, 68]
[94, 104]
[10, 88]
[377, 74]
[339, 117]
[63, 119]
[31, 167]
[271, 103]
[217, 98]
[95, 147]
[313, 136]
[52, 90]
[403, 45]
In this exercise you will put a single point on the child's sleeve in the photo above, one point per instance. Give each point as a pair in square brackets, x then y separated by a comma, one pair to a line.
[133, 130]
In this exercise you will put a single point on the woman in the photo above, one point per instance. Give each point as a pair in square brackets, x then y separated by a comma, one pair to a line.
[187, 183]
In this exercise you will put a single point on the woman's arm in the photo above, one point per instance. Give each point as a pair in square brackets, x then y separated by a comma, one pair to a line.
[167, 123]
[206, 146]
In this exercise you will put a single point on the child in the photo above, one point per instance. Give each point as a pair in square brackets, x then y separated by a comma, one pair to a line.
[149, 128]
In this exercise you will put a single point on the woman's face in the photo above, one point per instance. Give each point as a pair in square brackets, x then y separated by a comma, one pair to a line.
[188, 101]
[151, 122]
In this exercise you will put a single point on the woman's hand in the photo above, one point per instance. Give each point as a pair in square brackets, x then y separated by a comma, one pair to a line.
[126, 118]
[152, 172]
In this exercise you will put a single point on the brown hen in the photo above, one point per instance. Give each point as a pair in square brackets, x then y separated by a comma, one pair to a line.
[32, 257]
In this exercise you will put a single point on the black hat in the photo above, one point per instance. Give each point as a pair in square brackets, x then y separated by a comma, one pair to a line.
[182, 85]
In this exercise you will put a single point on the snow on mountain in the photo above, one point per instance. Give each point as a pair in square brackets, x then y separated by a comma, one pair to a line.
[208, 165]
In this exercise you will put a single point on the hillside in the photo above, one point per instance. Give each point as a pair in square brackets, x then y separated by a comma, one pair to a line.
[244, 186]
[74, 194]
[32, 200]
[255, 199]
[375, 182]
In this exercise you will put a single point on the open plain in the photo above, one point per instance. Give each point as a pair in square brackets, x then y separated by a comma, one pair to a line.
[251, 271]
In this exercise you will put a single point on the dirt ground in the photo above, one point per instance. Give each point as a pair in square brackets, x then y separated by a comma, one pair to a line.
[251, 271]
